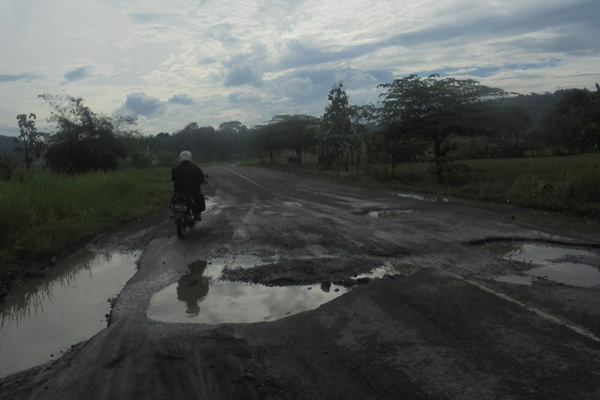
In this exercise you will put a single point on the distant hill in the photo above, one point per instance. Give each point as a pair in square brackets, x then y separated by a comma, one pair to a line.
[537, 105]
[8, 146]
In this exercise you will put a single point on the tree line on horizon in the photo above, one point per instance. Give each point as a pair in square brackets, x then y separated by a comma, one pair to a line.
[434, 119]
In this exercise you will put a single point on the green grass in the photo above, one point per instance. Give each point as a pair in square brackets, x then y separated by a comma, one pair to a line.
[556, 183]
[42, 212]
[566, 184]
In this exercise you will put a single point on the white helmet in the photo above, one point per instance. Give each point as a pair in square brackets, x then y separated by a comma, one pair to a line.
[185, 156]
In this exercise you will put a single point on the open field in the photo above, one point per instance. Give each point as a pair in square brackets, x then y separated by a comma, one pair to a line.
[566, 184]
[569, 184]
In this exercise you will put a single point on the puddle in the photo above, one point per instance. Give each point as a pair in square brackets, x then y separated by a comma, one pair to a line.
[292, 204]
[200, 297]
[565, 265]
[388, 213]
[190, 300]
[421, 197]
[516, 279]
[44, 317]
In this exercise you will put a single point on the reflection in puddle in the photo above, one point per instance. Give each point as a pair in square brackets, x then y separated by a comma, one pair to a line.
[564, 265]
[388, 213]
[420, 197]
[190, 300]
[515, 279]
[391, 268]
[193, 287]
[44, 317]
[200, 297]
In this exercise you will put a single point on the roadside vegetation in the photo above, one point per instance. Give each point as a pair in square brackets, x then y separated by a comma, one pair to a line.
[566, 184]
[436, 134]
[41, 213]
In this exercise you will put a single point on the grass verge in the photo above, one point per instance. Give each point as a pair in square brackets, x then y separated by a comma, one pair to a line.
[41, 213]
[569, 184]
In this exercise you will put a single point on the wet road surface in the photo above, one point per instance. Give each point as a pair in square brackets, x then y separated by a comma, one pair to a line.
[440, 324]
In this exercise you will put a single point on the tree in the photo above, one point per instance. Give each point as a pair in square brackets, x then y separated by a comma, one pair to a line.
[6, 167]
[295, 132]
[284, 132]
[574, 121]
[84, 140]
[435, 108]
[362, 121]
[514, 119]
[233, 127]
[336, 128]
[32, 140]
[265, 139]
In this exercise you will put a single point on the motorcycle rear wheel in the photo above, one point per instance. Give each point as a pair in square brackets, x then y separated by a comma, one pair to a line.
[181, 225]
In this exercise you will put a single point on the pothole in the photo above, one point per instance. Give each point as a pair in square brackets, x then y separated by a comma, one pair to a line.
[561, 264]
[43, 317]
[223, 292]
[385, 213]
[414, 196]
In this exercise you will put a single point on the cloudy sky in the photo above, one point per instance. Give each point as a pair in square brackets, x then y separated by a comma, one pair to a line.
[209, 61]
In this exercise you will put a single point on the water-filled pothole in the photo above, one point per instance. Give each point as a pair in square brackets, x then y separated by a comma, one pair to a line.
[384, 213]
[44, 317]
[388, 213]
[201, 296]
[561, 264]
[421, 197]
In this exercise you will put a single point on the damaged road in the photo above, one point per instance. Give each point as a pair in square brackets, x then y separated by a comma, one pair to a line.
[434, 322]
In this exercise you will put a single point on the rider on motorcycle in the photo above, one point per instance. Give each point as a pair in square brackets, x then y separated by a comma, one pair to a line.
[187, 177]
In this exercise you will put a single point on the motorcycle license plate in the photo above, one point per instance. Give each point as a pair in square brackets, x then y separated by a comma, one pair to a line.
[179, 207]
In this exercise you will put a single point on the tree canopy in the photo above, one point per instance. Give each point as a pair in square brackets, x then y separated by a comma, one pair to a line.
[84, 140]
[30, 138]
[335, 138]
[574, 122]
[434, 108]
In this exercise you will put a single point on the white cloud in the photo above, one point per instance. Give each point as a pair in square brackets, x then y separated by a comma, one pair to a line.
[77, 74]
[243, 74]
[140, 104]
[183, 99]
[215, 61]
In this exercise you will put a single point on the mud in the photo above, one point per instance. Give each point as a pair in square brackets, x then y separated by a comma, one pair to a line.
[304, 271]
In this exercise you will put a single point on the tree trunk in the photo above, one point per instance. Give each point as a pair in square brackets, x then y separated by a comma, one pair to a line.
[439, 171]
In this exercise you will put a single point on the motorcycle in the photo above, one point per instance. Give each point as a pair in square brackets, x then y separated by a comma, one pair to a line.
[182, 206]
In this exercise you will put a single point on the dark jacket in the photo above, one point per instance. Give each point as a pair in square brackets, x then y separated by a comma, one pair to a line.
[187, 177]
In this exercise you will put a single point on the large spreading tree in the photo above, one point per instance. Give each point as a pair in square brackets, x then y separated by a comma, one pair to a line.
[291, 132]
[436, 109]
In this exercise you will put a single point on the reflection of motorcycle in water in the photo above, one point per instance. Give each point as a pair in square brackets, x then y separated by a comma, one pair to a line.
[193, 287]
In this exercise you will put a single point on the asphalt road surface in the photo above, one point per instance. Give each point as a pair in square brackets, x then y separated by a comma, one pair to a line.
[439, 325]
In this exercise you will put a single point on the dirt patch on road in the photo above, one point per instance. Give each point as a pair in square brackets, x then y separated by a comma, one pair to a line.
[340, 271]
